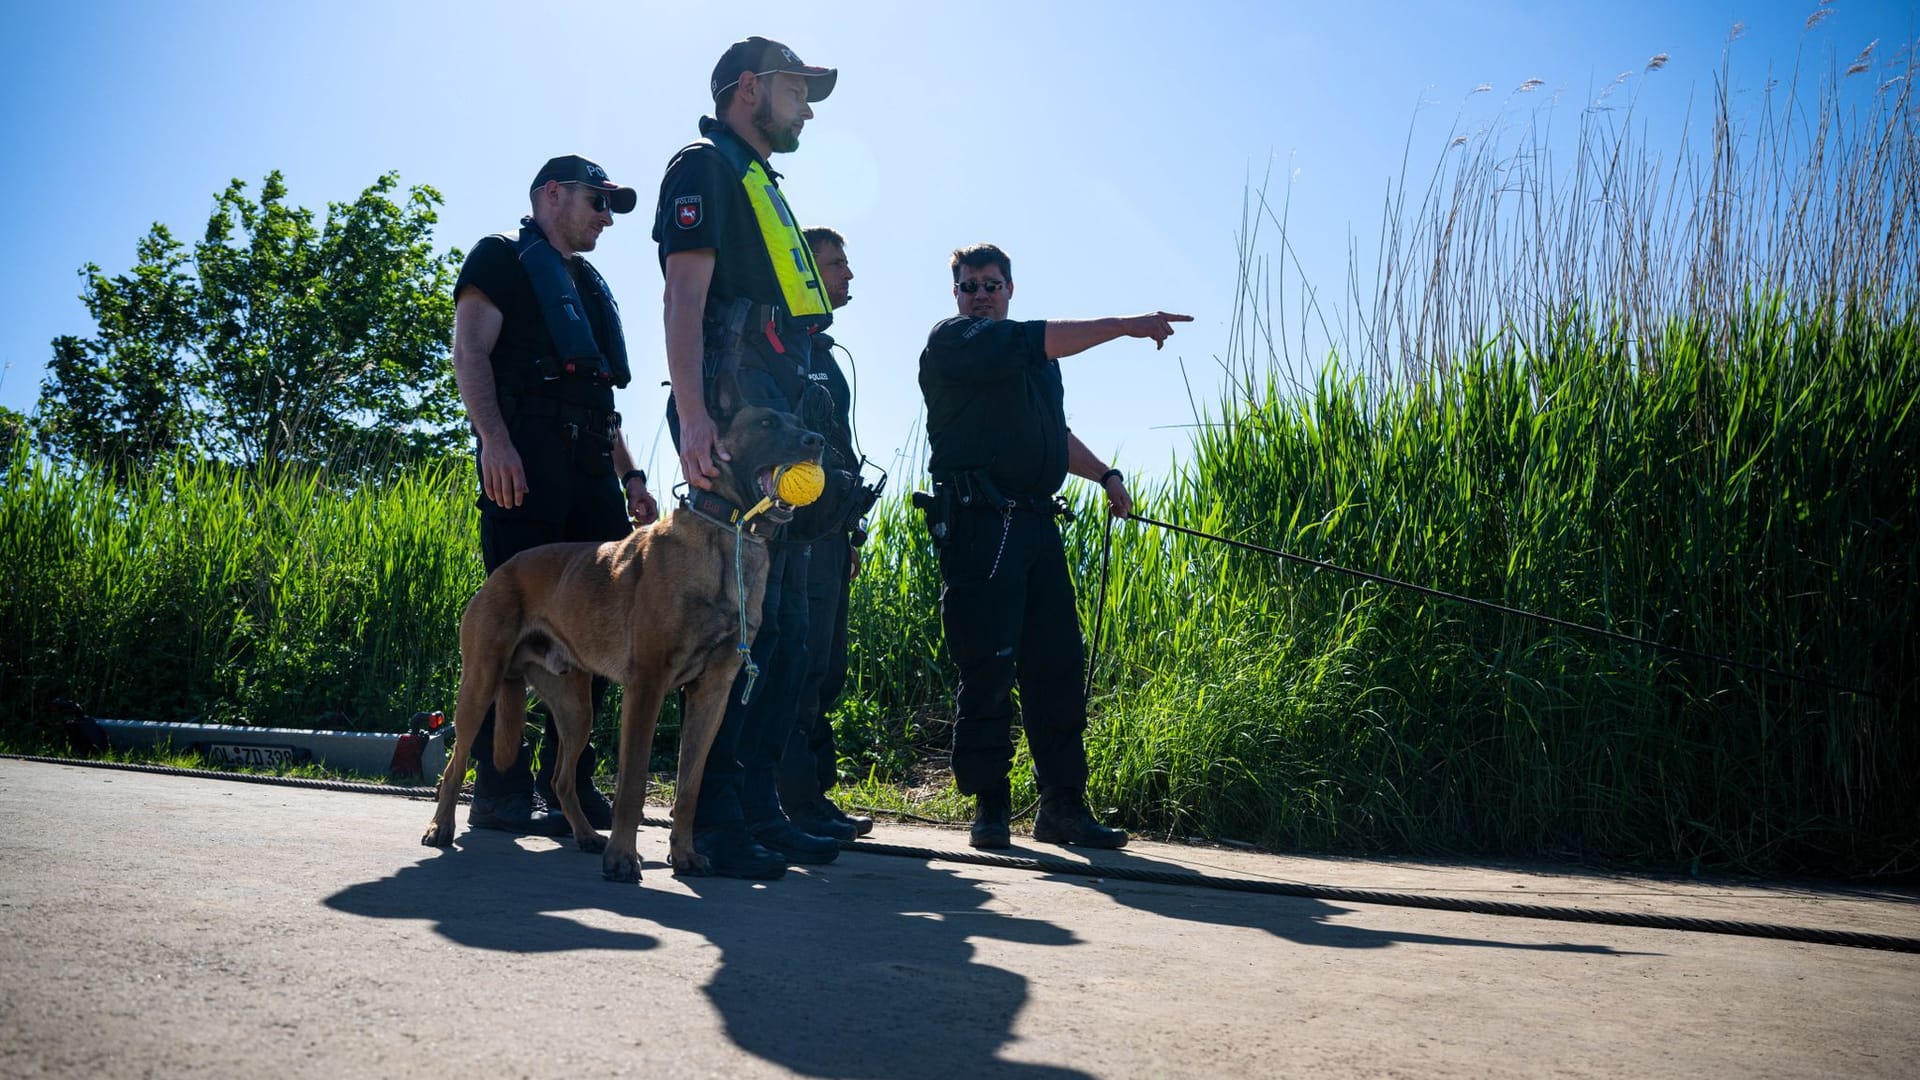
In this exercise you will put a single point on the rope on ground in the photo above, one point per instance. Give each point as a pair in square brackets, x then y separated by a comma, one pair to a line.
[423, 791]
[1181, 878]
[1301, 890]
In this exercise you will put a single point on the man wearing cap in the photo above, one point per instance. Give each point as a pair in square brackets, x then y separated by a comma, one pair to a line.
[739, 276]
[835, 526]
[999, 448]
[537, 352]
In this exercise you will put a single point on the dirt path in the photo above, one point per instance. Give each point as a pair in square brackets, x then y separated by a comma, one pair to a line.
[161, 926]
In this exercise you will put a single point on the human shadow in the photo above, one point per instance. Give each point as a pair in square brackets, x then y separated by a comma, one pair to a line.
[1303, 920]
[503, 904]
[865, 968]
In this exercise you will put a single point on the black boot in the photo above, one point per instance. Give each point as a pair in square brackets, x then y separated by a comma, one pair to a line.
[862, 824]
[731, 852]
[592, 803]
[1065, 819]
[993, 818]
[503, 799]
[821, 818]
[794, 844]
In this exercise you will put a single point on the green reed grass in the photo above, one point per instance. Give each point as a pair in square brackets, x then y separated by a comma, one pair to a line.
[1313, 710]
[1688, 418]
[197, 591]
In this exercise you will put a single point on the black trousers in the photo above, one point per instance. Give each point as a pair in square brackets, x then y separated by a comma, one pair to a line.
[572, 493]
[579, 499]
[1008, 610]
[741, 781]
[811, 764]
[740, 784]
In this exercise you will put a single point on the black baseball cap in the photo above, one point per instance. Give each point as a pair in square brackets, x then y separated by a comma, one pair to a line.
[763, 57]
[574, 169]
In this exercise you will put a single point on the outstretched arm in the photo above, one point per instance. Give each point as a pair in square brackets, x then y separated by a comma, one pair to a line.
[1065, 337]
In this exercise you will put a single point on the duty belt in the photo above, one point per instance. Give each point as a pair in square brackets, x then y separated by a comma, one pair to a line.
[973, 491]
[579, 420]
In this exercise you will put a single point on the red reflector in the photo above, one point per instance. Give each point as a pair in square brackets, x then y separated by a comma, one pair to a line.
[406, 756]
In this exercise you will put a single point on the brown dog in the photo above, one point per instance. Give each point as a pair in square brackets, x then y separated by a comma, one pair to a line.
[656, 611]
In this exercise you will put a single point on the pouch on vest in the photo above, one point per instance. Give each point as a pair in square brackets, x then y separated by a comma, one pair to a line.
[834, 507]
[744, 335]
[564, 310]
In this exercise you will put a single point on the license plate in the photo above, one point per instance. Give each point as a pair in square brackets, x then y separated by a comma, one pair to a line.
[255, 757]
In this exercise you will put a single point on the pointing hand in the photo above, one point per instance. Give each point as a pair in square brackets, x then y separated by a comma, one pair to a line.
[1157, 325]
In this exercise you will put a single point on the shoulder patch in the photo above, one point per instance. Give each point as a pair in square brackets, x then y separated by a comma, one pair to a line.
[687, 212]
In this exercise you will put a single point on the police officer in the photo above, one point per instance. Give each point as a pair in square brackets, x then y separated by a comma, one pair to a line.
[835, 522]
[537, 352]
[739, 275]
[997, 430]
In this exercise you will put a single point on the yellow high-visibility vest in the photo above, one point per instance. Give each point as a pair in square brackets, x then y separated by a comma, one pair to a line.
[792, 258]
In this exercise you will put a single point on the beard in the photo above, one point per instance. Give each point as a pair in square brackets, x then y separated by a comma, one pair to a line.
[783, 140]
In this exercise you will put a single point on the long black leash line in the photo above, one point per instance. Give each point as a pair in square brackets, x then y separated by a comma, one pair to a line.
[1489, 605]
[1299, 890]
[1099, 607]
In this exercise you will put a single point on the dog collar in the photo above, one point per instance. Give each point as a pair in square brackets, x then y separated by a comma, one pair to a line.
[715, 508]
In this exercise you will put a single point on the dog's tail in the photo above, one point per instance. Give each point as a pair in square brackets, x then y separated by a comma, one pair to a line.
[509, 722]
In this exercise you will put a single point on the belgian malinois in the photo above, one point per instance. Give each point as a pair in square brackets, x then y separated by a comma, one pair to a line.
[658, 610]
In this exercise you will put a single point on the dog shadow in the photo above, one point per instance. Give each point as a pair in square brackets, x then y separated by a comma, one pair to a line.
[1302, 920]
[504, 904]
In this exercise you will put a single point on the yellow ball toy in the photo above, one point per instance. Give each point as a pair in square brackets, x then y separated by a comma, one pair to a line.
[800, 483]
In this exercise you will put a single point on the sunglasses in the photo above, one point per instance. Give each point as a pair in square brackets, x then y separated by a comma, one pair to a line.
[971, 287]
[595, 197]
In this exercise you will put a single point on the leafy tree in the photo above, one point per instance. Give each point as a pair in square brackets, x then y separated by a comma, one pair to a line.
[15, 427]
[275, 340]
[122, 396]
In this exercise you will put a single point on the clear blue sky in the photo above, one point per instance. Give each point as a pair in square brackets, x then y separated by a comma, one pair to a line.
[1106, 146]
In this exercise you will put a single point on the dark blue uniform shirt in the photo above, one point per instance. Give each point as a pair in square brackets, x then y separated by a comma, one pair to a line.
[995, 403]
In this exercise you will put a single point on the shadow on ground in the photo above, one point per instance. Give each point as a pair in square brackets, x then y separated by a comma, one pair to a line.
[488, 893]
[861, 969]
[1300, 920]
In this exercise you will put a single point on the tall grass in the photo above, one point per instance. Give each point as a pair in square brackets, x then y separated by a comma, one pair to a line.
[1309, 709]
[198, 591]
[1682, 409]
